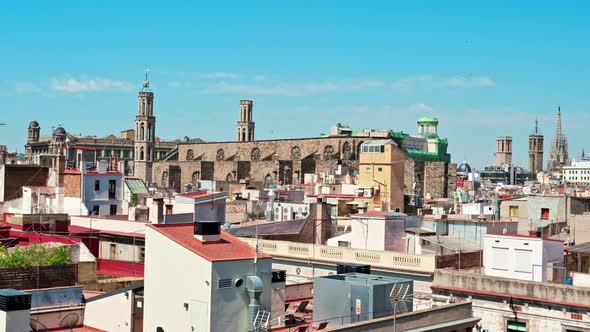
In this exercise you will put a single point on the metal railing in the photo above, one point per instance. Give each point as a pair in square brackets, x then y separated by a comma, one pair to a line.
[378, 259]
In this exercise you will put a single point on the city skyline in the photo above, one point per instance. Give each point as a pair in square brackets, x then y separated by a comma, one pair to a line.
[482, 75]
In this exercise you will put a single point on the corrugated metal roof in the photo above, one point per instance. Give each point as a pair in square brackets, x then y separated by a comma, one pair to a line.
[582, 247]
[452, 243]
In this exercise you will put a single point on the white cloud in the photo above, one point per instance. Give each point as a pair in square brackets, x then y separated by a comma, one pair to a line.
[466, 82]
[420, 108]
[410, 84]
[293, 89]
[222, 75]
[259, 78]
[26, 88]
[80, 86]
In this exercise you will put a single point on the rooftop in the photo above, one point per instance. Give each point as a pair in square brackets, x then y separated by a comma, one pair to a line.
[381, 214]
[533, 237]
[227, 249]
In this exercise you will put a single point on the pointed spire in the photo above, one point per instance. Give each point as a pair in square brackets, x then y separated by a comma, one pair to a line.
[558, 131]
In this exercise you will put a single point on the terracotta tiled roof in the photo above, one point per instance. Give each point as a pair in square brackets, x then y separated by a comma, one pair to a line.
[227, 249]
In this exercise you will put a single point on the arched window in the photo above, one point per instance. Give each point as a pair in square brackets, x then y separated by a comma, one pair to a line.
[196, 177]
[143, 108]
[229, 177]
[190, 155]
[141, 153]
[165, 179]
[141, 134]
[358, 151]
[220, 155]
[243, 134]
[255, 154]
[346, 151]
[149, 132]
[295, 153]
[268, 180]
[328, 152]
[149, 154]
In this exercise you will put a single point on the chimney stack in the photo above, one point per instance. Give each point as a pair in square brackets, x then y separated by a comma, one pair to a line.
[207, 231]
[160, 210]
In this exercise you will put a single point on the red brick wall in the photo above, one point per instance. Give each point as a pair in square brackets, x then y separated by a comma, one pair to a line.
[17, 176]
[72, 185]
[466, 260]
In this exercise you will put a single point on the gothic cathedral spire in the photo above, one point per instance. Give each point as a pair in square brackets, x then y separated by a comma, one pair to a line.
[558, 155]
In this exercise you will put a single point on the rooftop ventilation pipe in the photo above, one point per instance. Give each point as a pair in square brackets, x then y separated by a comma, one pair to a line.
[207, 231]
[254, 288]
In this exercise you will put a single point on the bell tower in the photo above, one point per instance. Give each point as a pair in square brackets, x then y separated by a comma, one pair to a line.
[245, 125]
[145, 133]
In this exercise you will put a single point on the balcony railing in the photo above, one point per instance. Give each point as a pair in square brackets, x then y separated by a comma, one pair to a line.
[379, 259]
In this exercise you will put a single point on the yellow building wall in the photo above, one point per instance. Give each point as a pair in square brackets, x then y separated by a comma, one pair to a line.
[384, 172]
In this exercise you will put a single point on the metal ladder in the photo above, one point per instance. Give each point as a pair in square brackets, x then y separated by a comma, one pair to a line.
[261, 321]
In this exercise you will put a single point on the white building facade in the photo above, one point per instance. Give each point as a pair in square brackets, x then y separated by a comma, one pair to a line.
[523, 257]
[208, 283]
[577, 172]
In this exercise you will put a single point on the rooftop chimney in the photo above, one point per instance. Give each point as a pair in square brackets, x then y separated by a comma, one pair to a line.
[15, 310]
[207, 231]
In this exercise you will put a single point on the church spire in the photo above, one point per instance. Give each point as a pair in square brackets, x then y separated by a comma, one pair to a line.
[558, 131]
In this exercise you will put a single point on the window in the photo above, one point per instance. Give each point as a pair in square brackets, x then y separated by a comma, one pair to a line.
[379, 169]
[586, 206]
[112, 189]
[514, 326]
[368, 169]
[97, 185]
[513, 211]
[344, 244]
[544, 213]
[499, 261]
[95, 210]
[113, 210]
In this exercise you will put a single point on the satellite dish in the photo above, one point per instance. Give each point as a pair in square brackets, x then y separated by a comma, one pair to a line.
[70, 321]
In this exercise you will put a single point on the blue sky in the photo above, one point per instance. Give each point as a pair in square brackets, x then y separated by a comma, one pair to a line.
[485, 70]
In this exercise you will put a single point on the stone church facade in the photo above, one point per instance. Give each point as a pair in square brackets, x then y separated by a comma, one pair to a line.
[286, 161]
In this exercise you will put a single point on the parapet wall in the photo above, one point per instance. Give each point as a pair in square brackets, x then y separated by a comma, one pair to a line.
[467, 281]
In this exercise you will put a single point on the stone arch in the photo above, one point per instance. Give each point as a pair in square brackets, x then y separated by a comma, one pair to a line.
[358, 150]
[268, 181]
[346, 151]
[190, 155]
[295, 153]
[141, 156]
[195, 177]
[220, 155]
[328, 152]
[255, 154]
